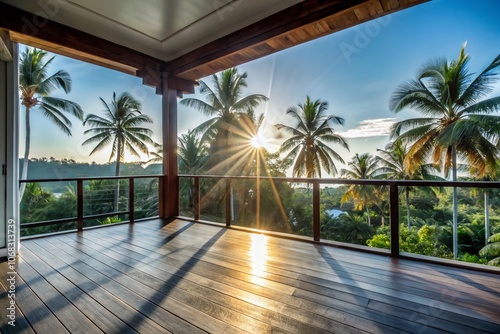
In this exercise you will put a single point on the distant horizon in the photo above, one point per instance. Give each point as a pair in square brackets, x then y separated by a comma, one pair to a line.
[354, 70]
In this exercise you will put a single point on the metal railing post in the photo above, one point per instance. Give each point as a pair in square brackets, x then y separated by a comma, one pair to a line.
[316, 212]
[394, 218]
[79, 204]
[196, 199]
[131, 199]
[228, 202]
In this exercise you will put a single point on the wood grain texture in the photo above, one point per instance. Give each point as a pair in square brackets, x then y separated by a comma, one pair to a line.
[181, 277]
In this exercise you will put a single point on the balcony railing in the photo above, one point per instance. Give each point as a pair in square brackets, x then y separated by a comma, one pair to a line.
[197, 190]
[87, 201]
[247, 201]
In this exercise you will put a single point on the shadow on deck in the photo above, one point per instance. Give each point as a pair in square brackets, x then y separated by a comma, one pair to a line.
[183, 277]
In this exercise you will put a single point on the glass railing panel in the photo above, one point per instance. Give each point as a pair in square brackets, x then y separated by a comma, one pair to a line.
[105, 197]
[213, 199]
[45, 201]
[146, 197]
[355, 214]
[186, 197]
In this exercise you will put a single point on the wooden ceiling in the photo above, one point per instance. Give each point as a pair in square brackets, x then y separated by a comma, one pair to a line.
[299, 23]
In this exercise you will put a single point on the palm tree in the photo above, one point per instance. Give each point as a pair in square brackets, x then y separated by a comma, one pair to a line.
[457, 122]
[193, 153]
[348, 227]
[361, 167]
[226, 104]
[492, 250]
[310, 133]
[392, 166]
[120, 127]
[157, 155]
[36, 87]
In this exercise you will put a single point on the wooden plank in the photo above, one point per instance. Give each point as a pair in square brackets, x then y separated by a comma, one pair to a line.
[246, 285]
[99, 315]
[67, 313]
[369, 275]
[188, 313]
[201, 273]
[211, 271]
[35, 311]
[441, 286]
[195, 294]
[121, 273]
[249, 289]
[162, 317]
[20, 325]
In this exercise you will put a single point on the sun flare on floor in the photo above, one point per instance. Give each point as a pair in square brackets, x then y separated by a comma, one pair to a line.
[258, 254]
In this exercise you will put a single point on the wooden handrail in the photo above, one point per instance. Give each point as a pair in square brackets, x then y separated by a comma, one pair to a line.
[374, 182]
[92, 178]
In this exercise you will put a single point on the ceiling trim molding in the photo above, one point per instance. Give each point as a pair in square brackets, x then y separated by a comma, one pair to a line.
[5, 47]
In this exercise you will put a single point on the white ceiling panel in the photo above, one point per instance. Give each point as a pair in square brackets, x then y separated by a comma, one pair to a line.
[164, 29]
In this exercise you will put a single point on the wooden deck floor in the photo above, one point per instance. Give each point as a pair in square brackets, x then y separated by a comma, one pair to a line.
[193, 278]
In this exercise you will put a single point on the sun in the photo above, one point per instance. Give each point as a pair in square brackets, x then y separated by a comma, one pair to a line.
[257, 141]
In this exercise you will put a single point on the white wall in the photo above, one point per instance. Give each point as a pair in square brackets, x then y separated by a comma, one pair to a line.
[9, 184]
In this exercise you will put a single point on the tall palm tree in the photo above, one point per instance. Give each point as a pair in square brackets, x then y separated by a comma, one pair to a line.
[361, 167]
[120, 127]
[457, 120]
[193, 153]
[225, 102]
[392, 166]
[36, 87]
[310, 133]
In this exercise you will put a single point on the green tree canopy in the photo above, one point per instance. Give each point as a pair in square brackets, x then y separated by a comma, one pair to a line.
[310, 134]
[225, 103]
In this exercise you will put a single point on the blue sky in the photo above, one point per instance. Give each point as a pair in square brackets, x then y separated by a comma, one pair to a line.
[354, 70]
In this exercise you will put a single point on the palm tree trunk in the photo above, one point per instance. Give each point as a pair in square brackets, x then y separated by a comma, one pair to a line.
[117, 173]
[24, 174]
[368, 215]
[407, 193]
[486, 217]
[455, 202]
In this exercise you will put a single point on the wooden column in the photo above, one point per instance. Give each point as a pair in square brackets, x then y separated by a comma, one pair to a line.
[170, 169]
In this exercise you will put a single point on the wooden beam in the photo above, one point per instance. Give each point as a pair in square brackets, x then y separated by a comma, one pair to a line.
[300, 23]
[5, 46]
[40, 32]
[70, 52]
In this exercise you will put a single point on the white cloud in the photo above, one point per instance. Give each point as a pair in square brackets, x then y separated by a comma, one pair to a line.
[370, 128]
